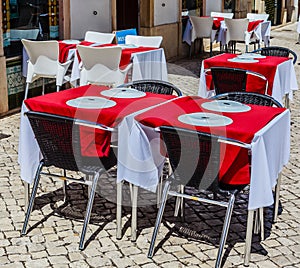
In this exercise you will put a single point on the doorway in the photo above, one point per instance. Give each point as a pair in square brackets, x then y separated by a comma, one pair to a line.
[127, 14]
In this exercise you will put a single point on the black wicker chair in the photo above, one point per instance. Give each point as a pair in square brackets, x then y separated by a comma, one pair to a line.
[248, 98]
[154, 86]
[195, 160]
[59, 141]
[226, 79]
[277, 51]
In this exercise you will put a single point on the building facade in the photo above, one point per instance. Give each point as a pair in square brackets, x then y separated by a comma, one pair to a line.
[70, 19]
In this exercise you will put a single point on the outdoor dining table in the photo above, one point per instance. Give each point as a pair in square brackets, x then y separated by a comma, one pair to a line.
[279, 71]
[265, 129]
[148, 62]
[257, 30]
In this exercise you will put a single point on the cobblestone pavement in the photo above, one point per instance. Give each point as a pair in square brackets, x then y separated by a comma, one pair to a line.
[53, 242]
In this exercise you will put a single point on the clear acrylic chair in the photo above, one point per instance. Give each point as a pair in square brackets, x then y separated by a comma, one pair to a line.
[44, 63]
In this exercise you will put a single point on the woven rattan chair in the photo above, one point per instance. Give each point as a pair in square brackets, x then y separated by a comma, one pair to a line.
[195, 160]
[59, 141]
[277, 51]
[154, 86]
[257, 99]
[226, 79]
[249, 98]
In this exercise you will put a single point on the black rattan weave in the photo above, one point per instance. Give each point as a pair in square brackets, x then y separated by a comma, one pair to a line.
[249, 98]
[228, 79]
[277, 51]
[154, 86]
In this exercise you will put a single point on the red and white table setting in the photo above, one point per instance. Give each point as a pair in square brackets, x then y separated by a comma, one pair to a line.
[279, 71]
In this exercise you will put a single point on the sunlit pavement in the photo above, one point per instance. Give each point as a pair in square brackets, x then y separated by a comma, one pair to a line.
[53, 242]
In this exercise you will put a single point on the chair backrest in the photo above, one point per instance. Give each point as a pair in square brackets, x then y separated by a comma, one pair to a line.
[221, 15]
[228, 79]
[97, 37]
[236, 29]
[55, 139]
[154, 86]
[249, 98]
[36, 49]
[256, 16]
[202, 27]
[144, 41]
[59, 139]
[277, 51]
[120, 35]
[108, 56]
[194, 157]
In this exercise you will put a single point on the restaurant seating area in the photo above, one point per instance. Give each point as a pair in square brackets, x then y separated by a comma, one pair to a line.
[127, 145]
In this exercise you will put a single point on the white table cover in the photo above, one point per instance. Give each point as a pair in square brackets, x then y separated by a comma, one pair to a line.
[140, 163]
[146, 65]
[285, 82]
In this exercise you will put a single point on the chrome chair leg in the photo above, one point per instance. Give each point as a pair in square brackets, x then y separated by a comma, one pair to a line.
[277, 192]
[261, 221]
[158, 219]
[88, 210]
[134, 213]
[248, 237]
[119, 211]
[43, 86]
[32, 197]
[225, 230]
[26, 194]
[65, 186]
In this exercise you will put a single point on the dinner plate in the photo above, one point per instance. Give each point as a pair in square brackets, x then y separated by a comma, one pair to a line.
[91, 102]
[243, 60]
[228, 106]
[205, 119]
[123, 92]
[71, 41]
[251, 56]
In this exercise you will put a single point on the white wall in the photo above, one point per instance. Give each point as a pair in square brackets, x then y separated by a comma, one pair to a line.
[213, 5]
[165, 11]
[94, 15]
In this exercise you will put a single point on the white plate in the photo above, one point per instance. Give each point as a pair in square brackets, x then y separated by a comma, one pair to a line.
[205, 119]
[243, 60]
[91, 102]
[251, 56]
[123, 92]
[71, 41]
[226, 106]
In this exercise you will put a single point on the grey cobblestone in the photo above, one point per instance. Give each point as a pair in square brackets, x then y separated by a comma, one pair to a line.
[54, 240]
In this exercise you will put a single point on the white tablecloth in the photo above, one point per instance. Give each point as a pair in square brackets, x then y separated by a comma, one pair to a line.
[285, 82]
[140, 163]
[146, 65]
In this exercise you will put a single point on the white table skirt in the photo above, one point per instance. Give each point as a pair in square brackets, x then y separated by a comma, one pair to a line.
[140, 163]
[285, 82]
[146, 65]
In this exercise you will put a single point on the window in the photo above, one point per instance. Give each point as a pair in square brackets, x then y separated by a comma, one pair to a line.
[194, 7]
[30, 19]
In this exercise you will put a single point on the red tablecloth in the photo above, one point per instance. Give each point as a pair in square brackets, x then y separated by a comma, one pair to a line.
[217, 23]
[126, 52]
[55, 103]
[266, 67]
[235, 166]
[253, 24]
[64, 50]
